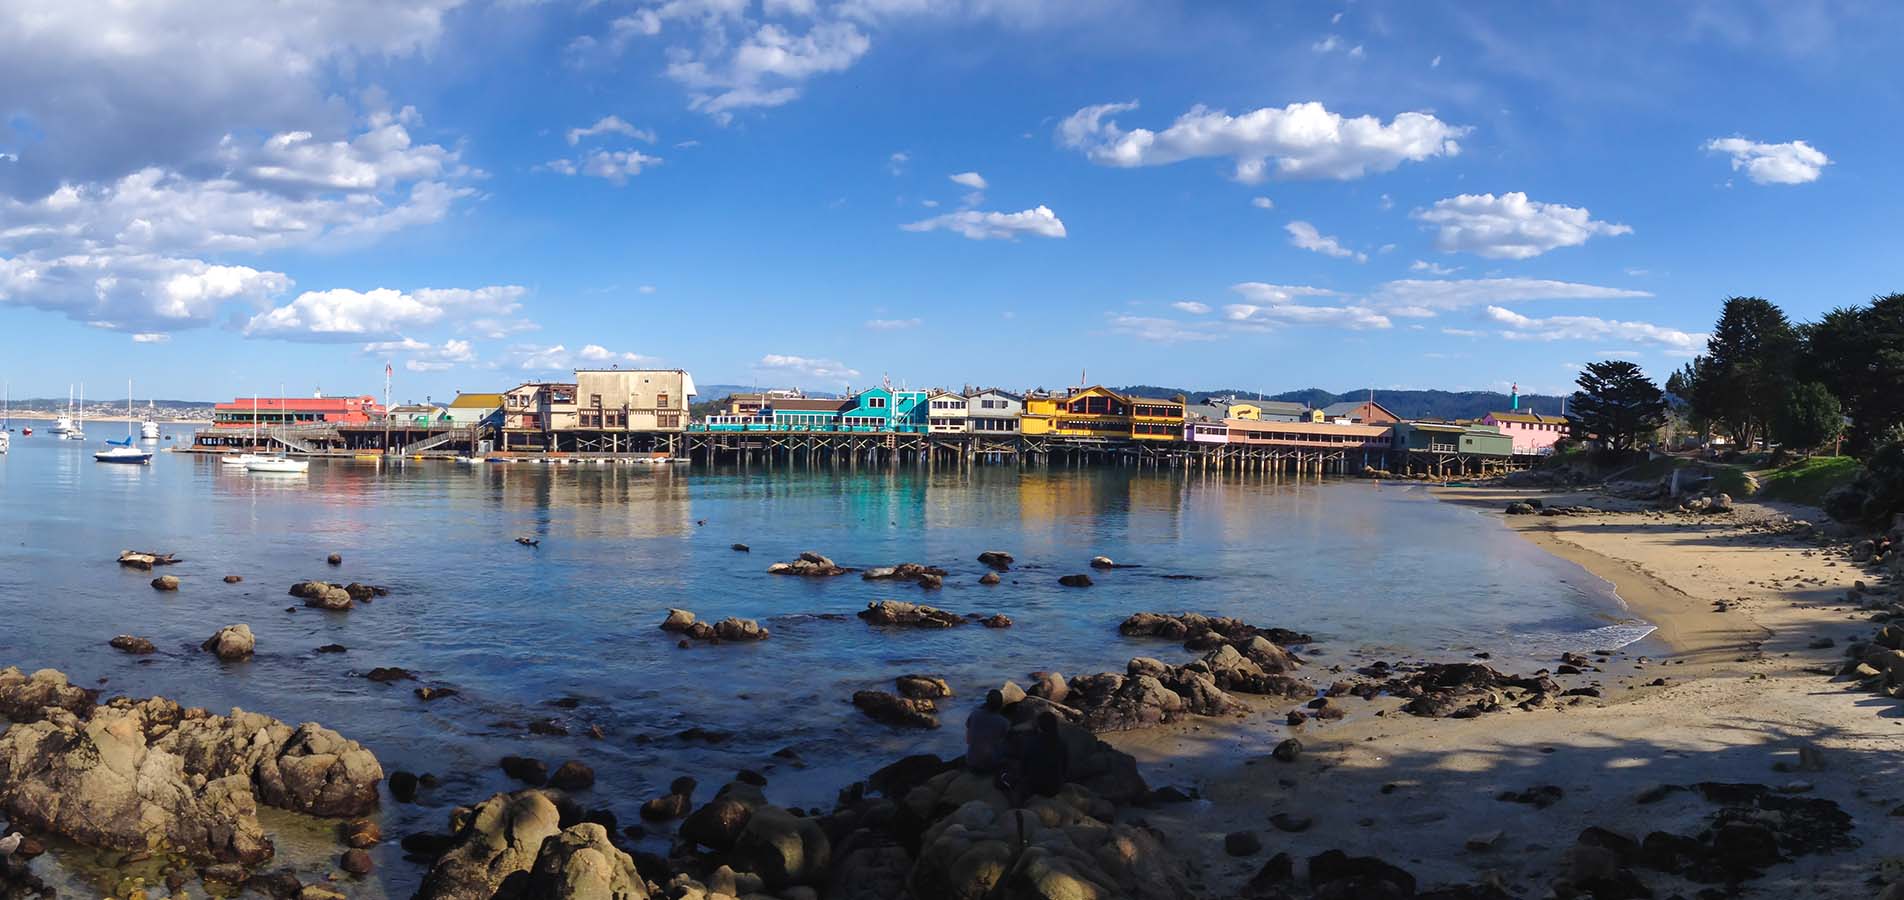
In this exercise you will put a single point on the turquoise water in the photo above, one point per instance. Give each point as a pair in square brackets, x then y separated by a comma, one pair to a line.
[1372, 571]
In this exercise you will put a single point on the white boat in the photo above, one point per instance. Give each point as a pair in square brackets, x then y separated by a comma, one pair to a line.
[241, 460]
[149, 429]
[278, 464]
[6, 419]
[123, 451]
[63, 424]
[75, 431]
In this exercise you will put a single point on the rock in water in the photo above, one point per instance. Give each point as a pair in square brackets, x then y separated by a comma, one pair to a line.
[232, 642]
[997, 559]
[165, 583]
[137, 646]
[909, 615]
[892, 709]
[322, 595]
[1075, 580]
[572, 776]
[500, 838]
[989, 578]
[742, 548]
[923, 687]
[28, 698]
[678, 620]
[335, 559]
[234, 579]
[1102, 562]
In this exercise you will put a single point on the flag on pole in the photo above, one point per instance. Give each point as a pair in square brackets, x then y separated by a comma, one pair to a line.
[387, 371]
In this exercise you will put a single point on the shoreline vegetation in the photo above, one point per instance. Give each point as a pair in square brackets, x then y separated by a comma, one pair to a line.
[1722, 753]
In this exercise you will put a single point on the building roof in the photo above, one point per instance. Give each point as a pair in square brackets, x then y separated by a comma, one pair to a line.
[302, 404]
[476, 401]
[1348, 408]
[1280, 407]
[1212, 411]
[1002, 393]
[1527, 418]
[807, 404]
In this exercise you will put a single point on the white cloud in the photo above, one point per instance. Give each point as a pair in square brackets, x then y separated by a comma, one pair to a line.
[614, 166]
[892, 324]
[1435, 63]
[896, 163]
[1327, 45]
[345, 314]
[1356, 52]
[766, 68]
[132, 251]
[423, 356]
[108, 88]
[1191, 306]
[973, 180]
[646, 289]
[1422, 265]
[1515, 326]
[1262, 203]
[978, 226]
[559, 358]
[151, 337]
[1793, 162]
[1301, 140]
[609, 125]
[1510, 226]
[1305, 236]
[1277, 304]
[1167, 331]
[1450, 294]
[825, 369]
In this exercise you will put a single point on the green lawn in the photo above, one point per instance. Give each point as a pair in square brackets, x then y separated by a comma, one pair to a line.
[1807, 480]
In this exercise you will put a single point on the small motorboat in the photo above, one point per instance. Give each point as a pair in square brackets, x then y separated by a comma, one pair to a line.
[281, 465]
[123, 453]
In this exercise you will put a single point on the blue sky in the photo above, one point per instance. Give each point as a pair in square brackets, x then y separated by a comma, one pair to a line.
[215, 199]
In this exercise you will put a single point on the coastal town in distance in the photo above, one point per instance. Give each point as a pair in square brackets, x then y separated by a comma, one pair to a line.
[951, 450]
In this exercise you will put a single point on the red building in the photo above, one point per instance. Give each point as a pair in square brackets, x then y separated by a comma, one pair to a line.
[273, 411]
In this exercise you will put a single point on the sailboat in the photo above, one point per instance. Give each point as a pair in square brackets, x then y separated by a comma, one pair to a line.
[149, 429]
[6, 419]
[244, 460]
[75, 431]
[64, 423]
[122, 451]
[280, 463]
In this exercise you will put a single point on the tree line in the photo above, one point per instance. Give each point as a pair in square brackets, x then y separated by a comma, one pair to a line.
[1766, 379]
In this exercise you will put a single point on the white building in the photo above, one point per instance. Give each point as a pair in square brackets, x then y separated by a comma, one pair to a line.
[946, 413]
[992, 411]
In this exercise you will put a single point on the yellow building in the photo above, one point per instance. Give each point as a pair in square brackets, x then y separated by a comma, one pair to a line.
[1248, 412]
[1093, 412]
[1153, 419]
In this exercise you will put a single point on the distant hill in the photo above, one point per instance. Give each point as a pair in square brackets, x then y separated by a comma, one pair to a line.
[1407, 404]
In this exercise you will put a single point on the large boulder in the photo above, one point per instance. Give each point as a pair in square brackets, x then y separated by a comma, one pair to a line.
[232, 642]
[308, 768]
[733, 629]
[1119, 703]
[783, 849]
[499, 841]
[997, 559]
[810, 564]
[718, 824]
[1056, 848]
[99, 783]
[26, 698]
[581, 864]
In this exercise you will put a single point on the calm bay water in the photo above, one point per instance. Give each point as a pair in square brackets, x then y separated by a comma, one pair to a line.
[1373, 571]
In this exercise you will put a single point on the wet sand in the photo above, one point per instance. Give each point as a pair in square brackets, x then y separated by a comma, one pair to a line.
[1740, 695]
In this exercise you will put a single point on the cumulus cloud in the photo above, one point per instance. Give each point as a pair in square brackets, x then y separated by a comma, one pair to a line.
[766, 68]
[892, 324]
[559, 358]
[1515, 326]
[1422, 265]
[1301, 140]
[1305, 236]
[973, 180]
[979, 226]
[609, 125]
[132, 251]
[421, 356]
[1279, 304]
[1439, 294]
[1167, 331]
[801, 366]
[108, 88]
[1262, 203]
[151, 337]
[1793, 162]
[1191, 306]
[613, 166]
[1510, 226]
[346, 314]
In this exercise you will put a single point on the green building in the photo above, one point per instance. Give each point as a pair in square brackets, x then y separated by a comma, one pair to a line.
[1464, 440]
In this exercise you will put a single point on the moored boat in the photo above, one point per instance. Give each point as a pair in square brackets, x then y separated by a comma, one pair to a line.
[282, 465]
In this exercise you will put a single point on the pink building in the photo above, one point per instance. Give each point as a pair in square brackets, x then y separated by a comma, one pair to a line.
[1532, 432]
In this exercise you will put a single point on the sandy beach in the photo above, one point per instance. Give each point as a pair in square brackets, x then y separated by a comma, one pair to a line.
[1727, 690]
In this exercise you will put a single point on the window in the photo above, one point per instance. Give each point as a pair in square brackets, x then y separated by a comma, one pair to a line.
[875, 403]
[661, 401]
[668, 420]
